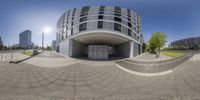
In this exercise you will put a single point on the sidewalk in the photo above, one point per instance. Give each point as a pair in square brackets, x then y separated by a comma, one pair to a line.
[51, 59]
[12, 56]
[150, 57]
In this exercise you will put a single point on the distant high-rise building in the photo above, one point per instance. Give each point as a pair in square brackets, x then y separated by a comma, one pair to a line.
[53, 45]
[25, 39]
[1, 41]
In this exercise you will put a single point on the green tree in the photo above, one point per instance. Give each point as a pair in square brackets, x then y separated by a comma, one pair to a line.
[146, 47]
[156, 42]
[1, 47]
[49, 48]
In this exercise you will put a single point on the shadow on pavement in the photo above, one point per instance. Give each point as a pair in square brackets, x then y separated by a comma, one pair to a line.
[19, 61]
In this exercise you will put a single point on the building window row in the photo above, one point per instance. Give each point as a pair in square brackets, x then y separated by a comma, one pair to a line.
[100, 17]
[82, 26]
[117, 19]
[84, 11]
[100, 24]
[117, 27]
[83, 19]
[117, 11]
[101, 10]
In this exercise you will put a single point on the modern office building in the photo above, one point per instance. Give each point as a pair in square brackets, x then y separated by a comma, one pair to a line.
[1, 41]
[53, 45]
[192, 41]
[25, 39]
[99, 32]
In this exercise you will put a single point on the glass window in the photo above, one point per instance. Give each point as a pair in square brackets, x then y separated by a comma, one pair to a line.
[83, 14]
[129, 32]
[100, 24]
[117, 19]
[117, 27]
[85, 10]
[129, 12]
[71, 31]
[129, 24]
[72, 23]
[83, 19]
[100, 16]
[117, 9]
[129, 19]
[117, 14]
[102, 8]
[82, 26]
[74, 12]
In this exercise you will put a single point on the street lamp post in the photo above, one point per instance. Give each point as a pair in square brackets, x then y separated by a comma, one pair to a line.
[42, 41]
[45, 31]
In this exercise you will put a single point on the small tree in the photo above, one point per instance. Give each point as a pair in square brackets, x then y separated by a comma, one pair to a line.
[146, 47]
[49, 48]
[156, 42]
[1, 47]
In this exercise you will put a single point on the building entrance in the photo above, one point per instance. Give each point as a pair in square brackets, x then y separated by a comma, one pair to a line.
[98, 52]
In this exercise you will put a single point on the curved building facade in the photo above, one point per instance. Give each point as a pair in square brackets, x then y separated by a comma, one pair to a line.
[99, 32]
[192, 41]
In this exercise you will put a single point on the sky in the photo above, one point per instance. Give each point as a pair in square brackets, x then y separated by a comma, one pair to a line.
[175, 18]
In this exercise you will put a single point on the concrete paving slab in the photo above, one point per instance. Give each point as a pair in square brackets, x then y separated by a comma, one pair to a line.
[85, 80]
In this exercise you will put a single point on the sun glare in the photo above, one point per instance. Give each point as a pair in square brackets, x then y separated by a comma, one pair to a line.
[47, 29]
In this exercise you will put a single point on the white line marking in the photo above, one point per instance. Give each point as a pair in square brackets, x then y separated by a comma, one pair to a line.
[144, 74]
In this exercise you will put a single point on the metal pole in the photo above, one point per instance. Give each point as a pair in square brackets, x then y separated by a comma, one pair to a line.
[2, 57]
[42, 41]
[11, 56]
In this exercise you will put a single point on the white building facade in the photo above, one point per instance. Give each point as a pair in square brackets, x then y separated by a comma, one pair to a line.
[99, 32]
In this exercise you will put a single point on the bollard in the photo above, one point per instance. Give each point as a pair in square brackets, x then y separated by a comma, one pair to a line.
[2, 57]
[11, 56]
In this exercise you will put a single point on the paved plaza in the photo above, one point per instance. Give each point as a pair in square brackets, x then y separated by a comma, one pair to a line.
[94, 80]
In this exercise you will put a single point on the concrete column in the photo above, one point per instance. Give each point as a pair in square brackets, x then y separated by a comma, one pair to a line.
[70, 48]
[131, 49]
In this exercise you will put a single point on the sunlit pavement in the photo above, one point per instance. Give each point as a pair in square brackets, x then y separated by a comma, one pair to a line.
[90, 80]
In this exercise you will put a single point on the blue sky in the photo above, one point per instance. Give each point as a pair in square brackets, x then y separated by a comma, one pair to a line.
[176, 18]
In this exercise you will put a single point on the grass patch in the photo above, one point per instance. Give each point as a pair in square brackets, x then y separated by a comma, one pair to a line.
[28, 53]
[172, 54]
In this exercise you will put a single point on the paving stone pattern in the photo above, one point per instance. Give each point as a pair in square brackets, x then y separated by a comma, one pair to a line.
[96, 81]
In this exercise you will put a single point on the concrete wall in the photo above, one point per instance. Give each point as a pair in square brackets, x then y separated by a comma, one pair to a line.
[63, 47]
[78, 49]
[123, 50]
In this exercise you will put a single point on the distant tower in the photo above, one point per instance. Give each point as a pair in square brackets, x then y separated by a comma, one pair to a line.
[53, 45]
[25, 39]
[1, 41]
